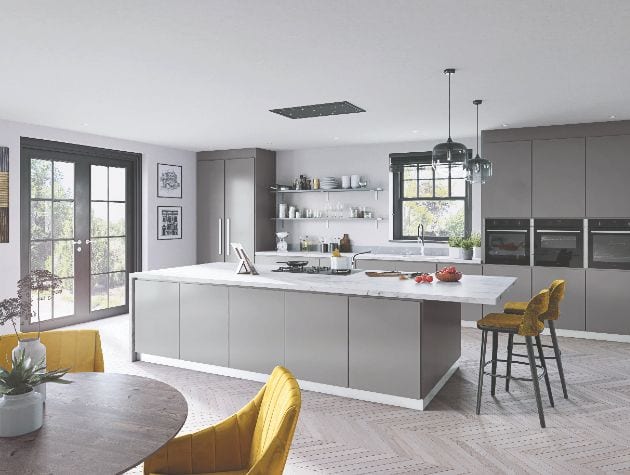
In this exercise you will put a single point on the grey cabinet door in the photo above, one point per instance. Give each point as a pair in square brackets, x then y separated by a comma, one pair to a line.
[403, 266]
[608, 301]
[559, 170]
[470, 312]
[203, 331]
[316, 337]
[384, 346]
[607, 171]
[508, 193]
[239, 205]
[572, 308]
[210, 211]
[521, 291]
[156, 317]
[256, 338]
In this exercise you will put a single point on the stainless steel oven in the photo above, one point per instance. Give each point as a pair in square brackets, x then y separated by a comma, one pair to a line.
[609, 243]
[559, 242]
[507, 242]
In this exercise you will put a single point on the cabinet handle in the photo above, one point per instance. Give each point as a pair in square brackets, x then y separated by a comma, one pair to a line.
[549, 231]
[610, 232]
[220, 236]
[227, 236]
[507, 230]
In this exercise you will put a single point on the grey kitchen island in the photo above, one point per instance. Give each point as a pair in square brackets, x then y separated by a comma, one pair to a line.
[379, 339]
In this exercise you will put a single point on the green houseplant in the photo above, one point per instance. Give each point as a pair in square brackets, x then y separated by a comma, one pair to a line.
[467, 248]
[22, 408]
[454, 246]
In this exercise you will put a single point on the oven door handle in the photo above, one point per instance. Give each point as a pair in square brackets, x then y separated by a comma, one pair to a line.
[558, 231]
[507, 230]
[610, 232]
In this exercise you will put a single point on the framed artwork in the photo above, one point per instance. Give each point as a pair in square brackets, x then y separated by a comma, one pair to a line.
[169, 222]
[4, 194]
[169, 181]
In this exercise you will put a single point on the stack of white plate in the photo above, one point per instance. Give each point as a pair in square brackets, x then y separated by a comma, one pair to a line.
[328, 183]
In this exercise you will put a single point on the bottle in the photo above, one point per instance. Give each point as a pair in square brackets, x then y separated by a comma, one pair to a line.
[344, 244]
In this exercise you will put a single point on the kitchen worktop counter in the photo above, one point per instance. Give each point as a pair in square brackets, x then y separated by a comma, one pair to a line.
[381, 256]
[474, 289]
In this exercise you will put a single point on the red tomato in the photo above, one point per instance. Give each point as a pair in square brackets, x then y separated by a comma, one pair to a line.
[419, 279]
[428, 278]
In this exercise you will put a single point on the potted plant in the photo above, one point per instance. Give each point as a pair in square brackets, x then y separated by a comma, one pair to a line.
[467, 249]
[21, 407]
[454, 247]
[476, 240]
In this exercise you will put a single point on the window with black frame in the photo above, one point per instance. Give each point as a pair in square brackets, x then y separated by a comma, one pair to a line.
[438, 198]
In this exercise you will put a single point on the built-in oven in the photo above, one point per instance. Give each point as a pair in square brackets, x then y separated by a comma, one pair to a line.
[559, 242]
[609, 243]
[507, 242]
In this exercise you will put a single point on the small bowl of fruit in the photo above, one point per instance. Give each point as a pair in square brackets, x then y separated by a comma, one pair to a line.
[449, 274]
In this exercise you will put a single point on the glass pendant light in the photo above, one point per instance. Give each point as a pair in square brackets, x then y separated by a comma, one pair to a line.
[449, 151]
[478, 169]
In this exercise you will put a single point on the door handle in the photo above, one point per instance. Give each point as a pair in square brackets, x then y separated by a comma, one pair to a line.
[79, 242]
[88, 241]
[220, 236]
[227, 236]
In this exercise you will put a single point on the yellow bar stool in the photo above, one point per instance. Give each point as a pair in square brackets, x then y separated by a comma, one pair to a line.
[528, 325]
[556, 294]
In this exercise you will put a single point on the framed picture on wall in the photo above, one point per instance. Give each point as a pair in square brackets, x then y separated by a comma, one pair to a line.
[169, 181]
[169, 222]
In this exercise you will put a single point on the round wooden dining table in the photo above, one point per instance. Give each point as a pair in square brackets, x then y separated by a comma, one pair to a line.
[102, 423]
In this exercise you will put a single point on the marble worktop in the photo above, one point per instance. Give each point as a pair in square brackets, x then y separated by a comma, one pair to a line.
[476, 289]
[374, 256]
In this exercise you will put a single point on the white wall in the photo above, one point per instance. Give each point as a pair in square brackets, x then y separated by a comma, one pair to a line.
[155, 254]
[371, 161]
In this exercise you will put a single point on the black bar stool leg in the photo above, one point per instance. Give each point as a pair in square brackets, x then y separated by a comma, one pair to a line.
[495, 347]
[482, 363]
[532, 367]
[557, 352]
[508, 373]
[541, 356]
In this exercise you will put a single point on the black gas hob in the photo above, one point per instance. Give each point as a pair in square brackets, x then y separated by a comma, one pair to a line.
[304, 269]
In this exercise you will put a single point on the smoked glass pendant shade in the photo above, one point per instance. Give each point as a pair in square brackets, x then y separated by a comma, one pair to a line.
[449, 152]
[478, 170]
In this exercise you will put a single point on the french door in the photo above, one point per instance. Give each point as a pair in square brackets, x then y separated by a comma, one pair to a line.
[80, 221]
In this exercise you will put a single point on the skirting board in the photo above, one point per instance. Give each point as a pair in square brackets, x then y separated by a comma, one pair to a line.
[572, 333]
[409, 403]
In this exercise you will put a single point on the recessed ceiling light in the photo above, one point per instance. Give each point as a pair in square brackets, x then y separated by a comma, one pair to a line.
[613, 116]
[85, 124]
[505, 125]
[415, 131]
[335, 138]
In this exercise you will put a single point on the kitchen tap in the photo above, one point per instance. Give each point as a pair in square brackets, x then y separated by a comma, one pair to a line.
[354, 260]
[421, 237]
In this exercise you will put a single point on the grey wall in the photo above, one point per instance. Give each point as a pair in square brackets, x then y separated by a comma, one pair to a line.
[367, 160]
[155, 254]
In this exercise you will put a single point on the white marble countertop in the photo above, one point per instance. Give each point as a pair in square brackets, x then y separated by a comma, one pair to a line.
[475, 289]
[380, 257]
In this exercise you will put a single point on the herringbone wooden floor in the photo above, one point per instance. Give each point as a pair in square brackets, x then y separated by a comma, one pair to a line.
[589, 433]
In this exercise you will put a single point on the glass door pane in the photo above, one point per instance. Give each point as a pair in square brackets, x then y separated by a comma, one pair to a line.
[52, 234]
[108, 237]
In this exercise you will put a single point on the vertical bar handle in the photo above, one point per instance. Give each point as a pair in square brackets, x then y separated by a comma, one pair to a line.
[220, 236]
[227, 236]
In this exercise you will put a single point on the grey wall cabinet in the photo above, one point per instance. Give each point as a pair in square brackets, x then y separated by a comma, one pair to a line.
[470, 312]
[203, 332]
[572, 311]
[316, 336]
[509, 192]
[233, 202]
[559, 169]
[256, 344]
[384, 341]
[520, 291]
[156, 310]
[608, 301]
[607, 171]
[403, 266]
[210, 211]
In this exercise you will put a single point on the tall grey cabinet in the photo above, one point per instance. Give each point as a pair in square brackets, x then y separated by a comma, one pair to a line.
[607, 171]
[233, 204]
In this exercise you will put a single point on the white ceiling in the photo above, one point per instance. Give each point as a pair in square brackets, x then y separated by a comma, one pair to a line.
[202, 74]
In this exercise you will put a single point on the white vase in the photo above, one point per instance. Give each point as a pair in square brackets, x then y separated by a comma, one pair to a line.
[453, 252]
[21, 414]
[36, 351]
[476, 253]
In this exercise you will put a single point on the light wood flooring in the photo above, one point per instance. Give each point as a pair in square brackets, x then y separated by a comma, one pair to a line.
[589, 433]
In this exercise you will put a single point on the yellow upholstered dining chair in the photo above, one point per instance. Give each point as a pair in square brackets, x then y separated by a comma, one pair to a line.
[528, 325]
[254, 441]
[556, 294]
[79, 350]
